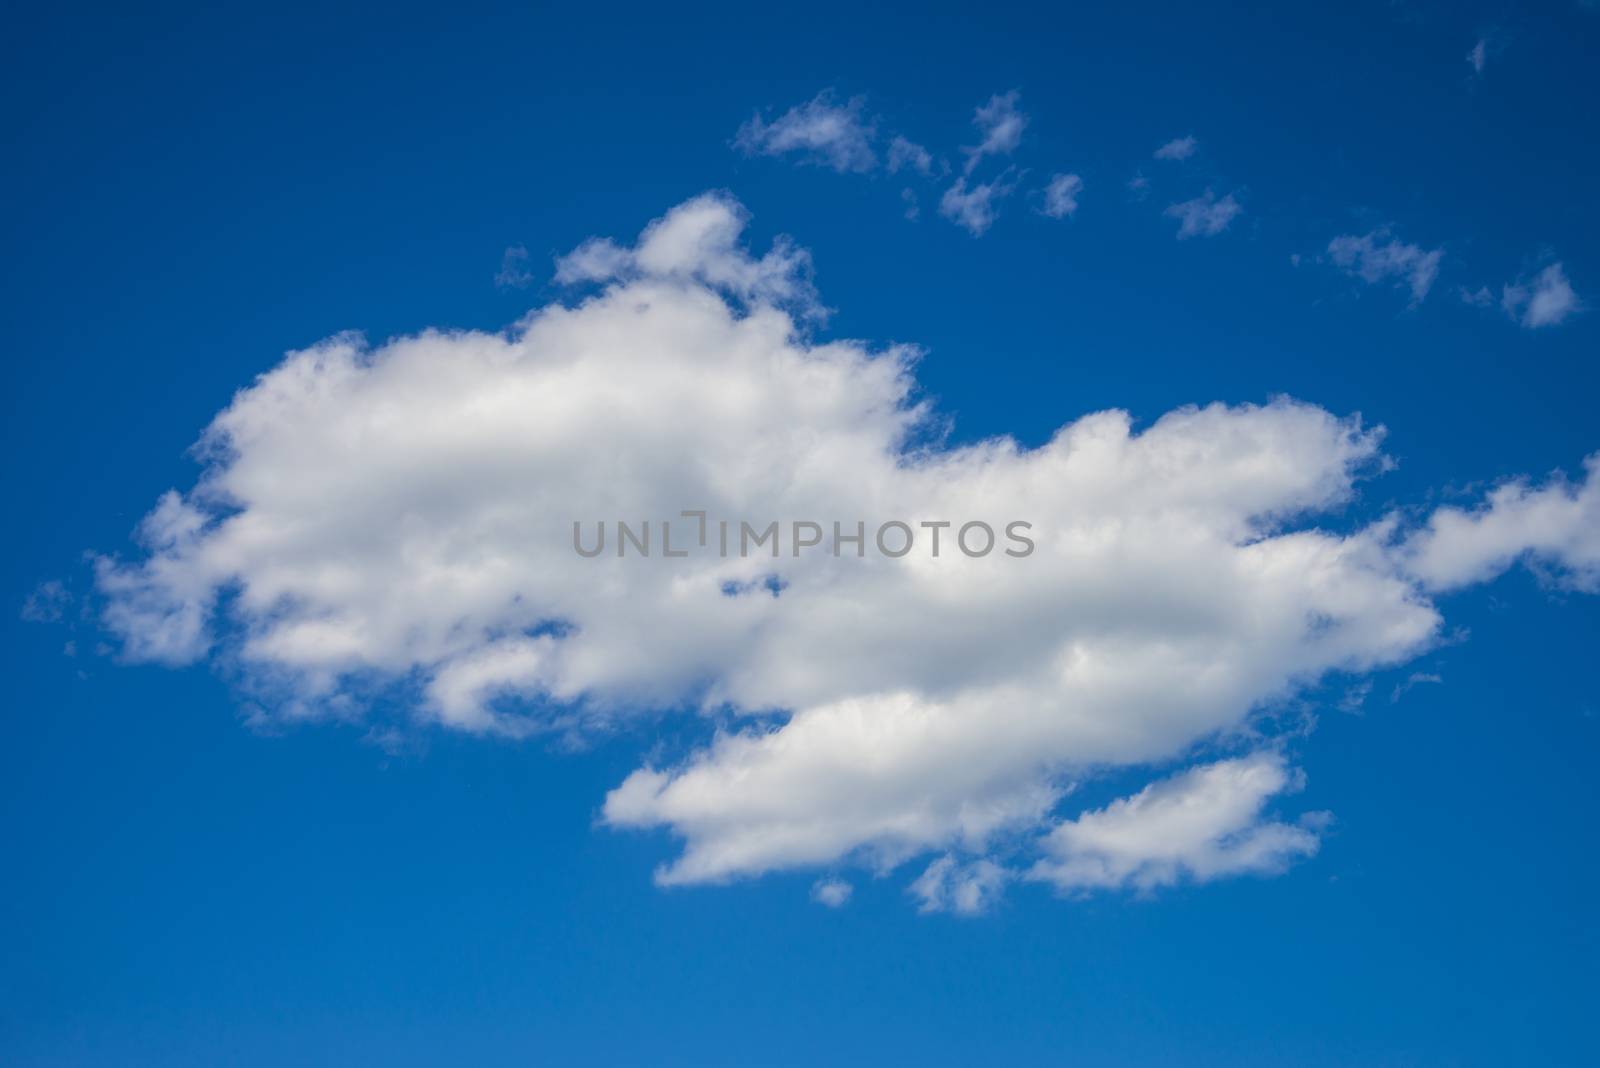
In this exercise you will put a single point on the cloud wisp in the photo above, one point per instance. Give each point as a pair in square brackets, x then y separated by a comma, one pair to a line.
[1547, 300]
[1000, 123]
[821, 131]
[975, 208]
[1205, 215]
[1179, 148]
[390, 528]
[1379, 257]
[1061, 196]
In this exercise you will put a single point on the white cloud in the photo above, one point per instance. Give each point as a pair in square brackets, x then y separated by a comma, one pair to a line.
[1547, 301]
[834, 893]
[1178, 148]
[1205, 215]
[1556, 527]
[1001, 124]
[820, 131]
[47, 603]
[514, 273]
[1478, 298]
[975, 209]
[1377, 257]
[1061, 195]
[1203, 824]
[904, 153]
[1412, 681]
[966, 889]
[389, 528]
[1478, 56]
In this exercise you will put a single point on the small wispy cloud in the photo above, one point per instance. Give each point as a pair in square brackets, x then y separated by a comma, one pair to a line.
[969, 889]
[975, 208]
[1415, 679]
[1001, 123]
[820, 131]
[1547, 300]
[514, 273]
[904, 153]
[47, 603]
[1478, 56]
[1061, 196]
[833, 893]
[1379, 257]
[1178, 148]
[1205, 215]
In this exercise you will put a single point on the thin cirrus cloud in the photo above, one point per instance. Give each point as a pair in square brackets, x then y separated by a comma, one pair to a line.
[1204, 216]
[1379, 257]
[386, 531]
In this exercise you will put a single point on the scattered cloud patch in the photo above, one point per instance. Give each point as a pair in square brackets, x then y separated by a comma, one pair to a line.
[909, 155]
[1205, 215]
[1378, 257]
[47, 603]
[1478, 56]
[1000, 123]
[1179, 148]
[832, 893]
[1548, 300]
[975, 209]
[821, 131]
[1203, 824]
[514, 273]
[966, 889]
[1061, 196]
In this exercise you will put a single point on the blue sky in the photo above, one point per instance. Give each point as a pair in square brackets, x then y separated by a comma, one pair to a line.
[198, 875]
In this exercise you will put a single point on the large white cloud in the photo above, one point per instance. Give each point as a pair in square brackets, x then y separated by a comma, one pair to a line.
[398, 521]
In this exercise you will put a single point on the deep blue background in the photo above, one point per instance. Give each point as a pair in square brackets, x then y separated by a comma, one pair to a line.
[188, 194]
